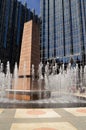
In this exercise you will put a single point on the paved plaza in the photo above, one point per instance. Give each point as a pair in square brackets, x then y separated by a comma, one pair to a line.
[43, 119]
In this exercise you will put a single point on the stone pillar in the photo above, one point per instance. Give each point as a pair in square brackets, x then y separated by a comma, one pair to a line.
[30, 54]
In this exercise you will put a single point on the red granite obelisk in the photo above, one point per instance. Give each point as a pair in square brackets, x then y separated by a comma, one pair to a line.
[30, 54]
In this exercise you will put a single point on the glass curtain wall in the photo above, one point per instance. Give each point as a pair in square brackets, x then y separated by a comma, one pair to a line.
[63, 29]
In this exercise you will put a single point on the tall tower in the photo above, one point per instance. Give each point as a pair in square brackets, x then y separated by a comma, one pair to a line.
[13, 15]
[63, 32]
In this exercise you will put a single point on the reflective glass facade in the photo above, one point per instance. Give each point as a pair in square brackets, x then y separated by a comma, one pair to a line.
[13, 15]
[63, 29]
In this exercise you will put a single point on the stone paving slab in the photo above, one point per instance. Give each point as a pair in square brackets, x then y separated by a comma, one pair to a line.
[36, 113]
[44, 126]
[76, 111]
[43, 119]
[1, 110]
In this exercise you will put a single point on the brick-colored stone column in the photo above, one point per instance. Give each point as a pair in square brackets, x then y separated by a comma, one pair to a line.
[30, 54]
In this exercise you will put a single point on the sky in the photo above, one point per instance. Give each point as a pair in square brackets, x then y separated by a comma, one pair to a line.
[33, 4]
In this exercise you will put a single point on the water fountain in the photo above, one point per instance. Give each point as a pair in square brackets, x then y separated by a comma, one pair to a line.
[49, 90]
[15, 80]
[2, 82]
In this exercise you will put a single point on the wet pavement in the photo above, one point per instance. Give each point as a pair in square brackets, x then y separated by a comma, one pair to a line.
[43, 119]
[56, 101]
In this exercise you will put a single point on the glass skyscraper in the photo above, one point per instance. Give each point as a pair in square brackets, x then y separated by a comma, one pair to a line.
[63, 30]
[13, 15]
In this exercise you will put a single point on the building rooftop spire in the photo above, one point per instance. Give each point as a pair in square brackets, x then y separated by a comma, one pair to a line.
[25, 3]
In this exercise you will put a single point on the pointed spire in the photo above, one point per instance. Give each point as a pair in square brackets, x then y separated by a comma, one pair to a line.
[25, 3]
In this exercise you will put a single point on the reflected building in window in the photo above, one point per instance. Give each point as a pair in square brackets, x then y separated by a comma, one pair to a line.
[63, 30]
[13, 15]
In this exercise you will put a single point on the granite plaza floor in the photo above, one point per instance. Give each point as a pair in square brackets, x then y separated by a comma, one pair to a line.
[43, 119]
